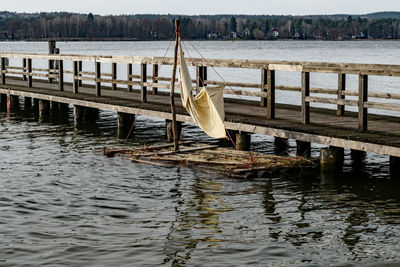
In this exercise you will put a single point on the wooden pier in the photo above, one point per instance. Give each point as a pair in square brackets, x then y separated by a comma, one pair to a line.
[145, 94]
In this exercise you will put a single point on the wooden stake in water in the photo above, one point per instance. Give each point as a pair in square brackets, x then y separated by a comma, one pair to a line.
[174, 124]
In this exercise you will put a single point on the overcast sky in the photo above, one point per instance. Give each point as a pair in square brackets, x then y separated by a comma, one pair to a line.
[189, 7]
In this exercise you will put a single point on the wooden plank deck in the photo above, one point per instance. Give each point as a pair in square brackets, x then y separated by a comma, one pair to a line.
[383, 135]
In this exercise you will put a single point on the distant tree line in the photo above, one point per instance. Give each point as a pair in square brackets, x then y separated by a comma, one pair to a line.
[70, 26]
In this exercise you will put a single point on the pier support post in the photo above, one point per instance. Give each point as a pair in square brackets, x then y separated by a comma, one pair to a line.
[281, 146]
[3, 102]
[44, 109]
[169, 130]
[78, 115]
[243, 141]
[114, 75]
[27, 102]
[52, 47]
[12, 102]
[84, 114]
[394, 164]
[303, 149]
[357, 159]
[227, 142]
[125, 123]
[331, 159]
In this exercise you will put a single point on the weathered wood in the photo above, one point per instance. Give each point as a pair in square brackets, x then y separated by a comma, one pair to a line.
[114, 75]
[80, 70]
[341, 96]
[362, 98]
[264, 86]
[155, 81]
[98, 76]
[202, 77]
[129, 71]
[172, 96]
[61, 75]
[52, 47]
[332, 101]
[3, 70]
[271, 95]
[143, 88]
[305, 92]
[29, 72]
[75, 77]
[24, 68]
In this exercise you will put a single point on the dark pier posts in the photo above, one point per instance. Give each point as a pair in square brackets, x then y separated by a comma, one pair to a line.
[75, 81]
[202, 77]
[61, 75]
[24, 68]
[243, 141]
[129, 76]
[331, 159]
[80, 69]
[125, 124]
[3, 70]
[303, 149]
[341, 89]
[3, 102]
[268, 86]
[52, 47]
[143, 79]
[114, 75]
[357, 159]
[98, 77]
[155, 79]
[281, 146]
[394, 164]
[30, 79]
[169, 130]
[12, 102]
[362, 98]
[84, 115]
[44, 109]
[305, 92]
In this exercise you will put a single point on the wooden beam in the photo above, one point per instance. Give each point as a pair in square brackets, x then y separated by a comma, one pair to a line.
[264, 86]
[80, 70]
[24, 68]
[143, 88]
[129, 71]
[305, 92]
[30, 72]
[75, 77]
[341, 96]
[155, 81]
[61, 75]
[362, 98]
[271, 95]
[114, 75]
[3, 70]
[98, 76]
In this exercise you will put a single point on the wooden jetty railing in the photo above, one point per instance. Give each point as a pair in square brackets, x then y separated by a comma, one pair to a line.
[265, 90]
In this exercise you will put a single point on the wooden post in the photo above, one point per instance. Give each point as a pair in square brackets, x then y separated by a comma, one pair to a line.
[264, 86]
[305, 92]
[331, 159]
[80, 68]
[24, 70]
[52, 47]
[201, 81]
[303, 149]
[271, 95]
[61, 75]
[30, 80]
[243, 141]
[172, 94]
[143, 89]
[98, 76]
[362, 98]
[129, 70]
[341, 88]
[3, 70]
[114, 75]
[75, 85]
[155, 80]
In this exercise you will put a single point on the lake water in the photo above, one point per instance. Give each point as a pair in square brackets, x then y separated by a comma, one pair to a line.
[63, 203]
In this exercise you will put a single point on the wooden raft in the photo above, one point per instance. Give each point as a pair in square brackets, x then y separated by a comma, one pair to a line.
[213, 159]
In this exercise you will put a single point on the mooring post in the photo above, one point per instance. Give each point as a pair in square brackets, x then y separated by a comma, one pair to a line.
[303, 149]
[155, 79]
[3, 70]
[75, 83]
[125, 124]
[30, 79]
[98, 77]
[52, 47]
[143, 88]
[331, 159]
[281, 146]
[129, 71]
[114, 75]
[243, 141]
[394, 164]
[305, 92]
[341, 95]
[169, 130]
[44, 109]
[24, 69]
[362, 98]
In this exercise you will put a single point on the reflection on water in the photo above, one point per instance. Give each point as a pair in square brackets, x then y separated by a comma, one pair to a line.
[63, 203]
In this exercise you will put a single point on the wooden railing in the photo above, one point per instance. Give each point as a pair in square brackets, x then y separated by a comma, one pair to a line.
[265, 90]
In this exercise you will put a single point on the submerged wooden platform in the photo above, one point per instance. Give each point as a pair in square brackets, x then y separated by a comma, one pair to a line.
[213, 159]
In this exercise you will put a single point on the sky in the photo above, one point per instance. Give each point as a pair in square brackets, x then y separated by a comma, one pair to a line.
[204, 7]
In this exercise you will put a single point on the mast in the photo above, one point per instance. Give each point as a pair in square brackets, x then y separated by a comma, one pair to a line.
[174, 124]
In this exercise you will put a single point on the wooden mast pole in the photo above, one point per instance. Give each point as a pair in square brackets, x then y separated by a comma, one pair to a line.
[174, 124]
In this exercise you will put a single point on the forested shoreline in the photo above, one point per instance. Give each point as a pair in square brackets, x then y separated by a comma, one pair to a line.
[75, 27]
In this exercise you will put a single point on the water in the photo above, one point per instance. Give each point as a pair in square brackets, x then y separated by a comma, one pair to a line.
[63, 203]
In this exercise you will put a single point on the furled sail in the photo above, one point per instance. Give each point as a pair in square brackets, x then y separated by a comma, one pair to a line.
[207, 107]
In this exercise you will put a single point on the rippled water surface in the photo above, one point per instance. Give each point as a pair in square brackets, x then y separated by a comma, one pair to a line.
[62, 203]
